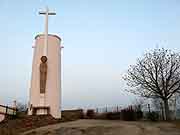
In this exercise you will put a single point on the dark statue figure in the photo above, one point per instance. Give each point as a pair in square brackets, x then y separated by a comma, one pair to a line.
[43, 74]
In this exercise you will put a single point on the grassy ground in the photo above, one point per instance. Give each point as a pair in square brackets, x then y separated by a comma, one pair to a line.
[26, 123]
[23, 122]
[177, 123]
[16, 126]
[108, 127]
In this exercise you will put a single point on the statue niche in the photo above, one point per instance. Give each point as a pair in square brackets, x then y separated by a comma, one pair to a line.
[43, 74]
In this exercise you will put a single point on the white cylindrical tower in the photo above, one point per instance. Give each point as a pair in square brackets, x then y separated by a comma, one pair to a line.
[50, 101]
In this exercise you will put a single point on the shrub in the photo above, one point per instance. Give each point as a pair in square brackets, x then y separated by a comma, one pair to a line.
[113, 115]
[131, 114]
[90, 113]
[100, 116]
[139, 115]
[72, 114]
[128, 115]
[153, 116]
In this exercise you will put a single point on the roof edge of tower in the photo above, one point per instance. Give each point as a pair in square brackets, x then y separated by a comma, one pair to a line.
[38, 35]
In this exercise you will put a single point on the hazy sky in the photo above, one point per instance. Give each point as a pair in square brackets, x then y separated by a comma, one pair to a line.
[101, 39]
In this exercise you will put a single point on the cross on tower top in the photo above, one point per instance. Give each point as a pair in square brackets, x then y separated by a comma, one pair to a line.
[46, 13]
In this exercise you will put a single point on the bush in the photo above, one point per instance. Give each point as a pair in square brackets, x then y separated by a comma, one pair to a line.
[139, 115]
[153, 116]
[72, 114]
[128, 114]
[22, 111]
[90, 113]
[102, 116]
[113, 115]
[131, 114]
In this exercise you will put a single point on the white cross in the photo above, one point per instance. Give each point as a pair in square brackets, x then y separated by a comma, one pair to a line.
[46, 13]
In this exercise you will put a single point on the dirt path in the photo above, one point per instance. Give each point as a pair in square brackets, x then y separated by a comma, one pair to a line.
[106, 127]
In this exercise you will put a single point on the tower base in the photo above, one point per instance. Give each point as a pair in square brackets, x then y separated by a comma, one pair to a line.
[41, 110]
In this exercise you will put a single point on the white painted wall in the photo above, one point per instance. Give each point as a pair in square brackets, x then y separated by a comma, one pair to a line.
[2, 116]
[52, 96]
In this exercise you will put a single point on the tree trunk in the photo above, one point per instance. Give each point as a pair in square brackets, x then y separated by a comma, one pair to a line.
[162, 111]
[166, 107]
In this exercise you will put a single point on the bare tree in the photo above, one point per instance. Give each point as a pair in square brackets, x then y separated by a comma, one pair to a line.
[139, 103]
[21, 107]
[157, 103]
[178, 101]
[156, 75]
